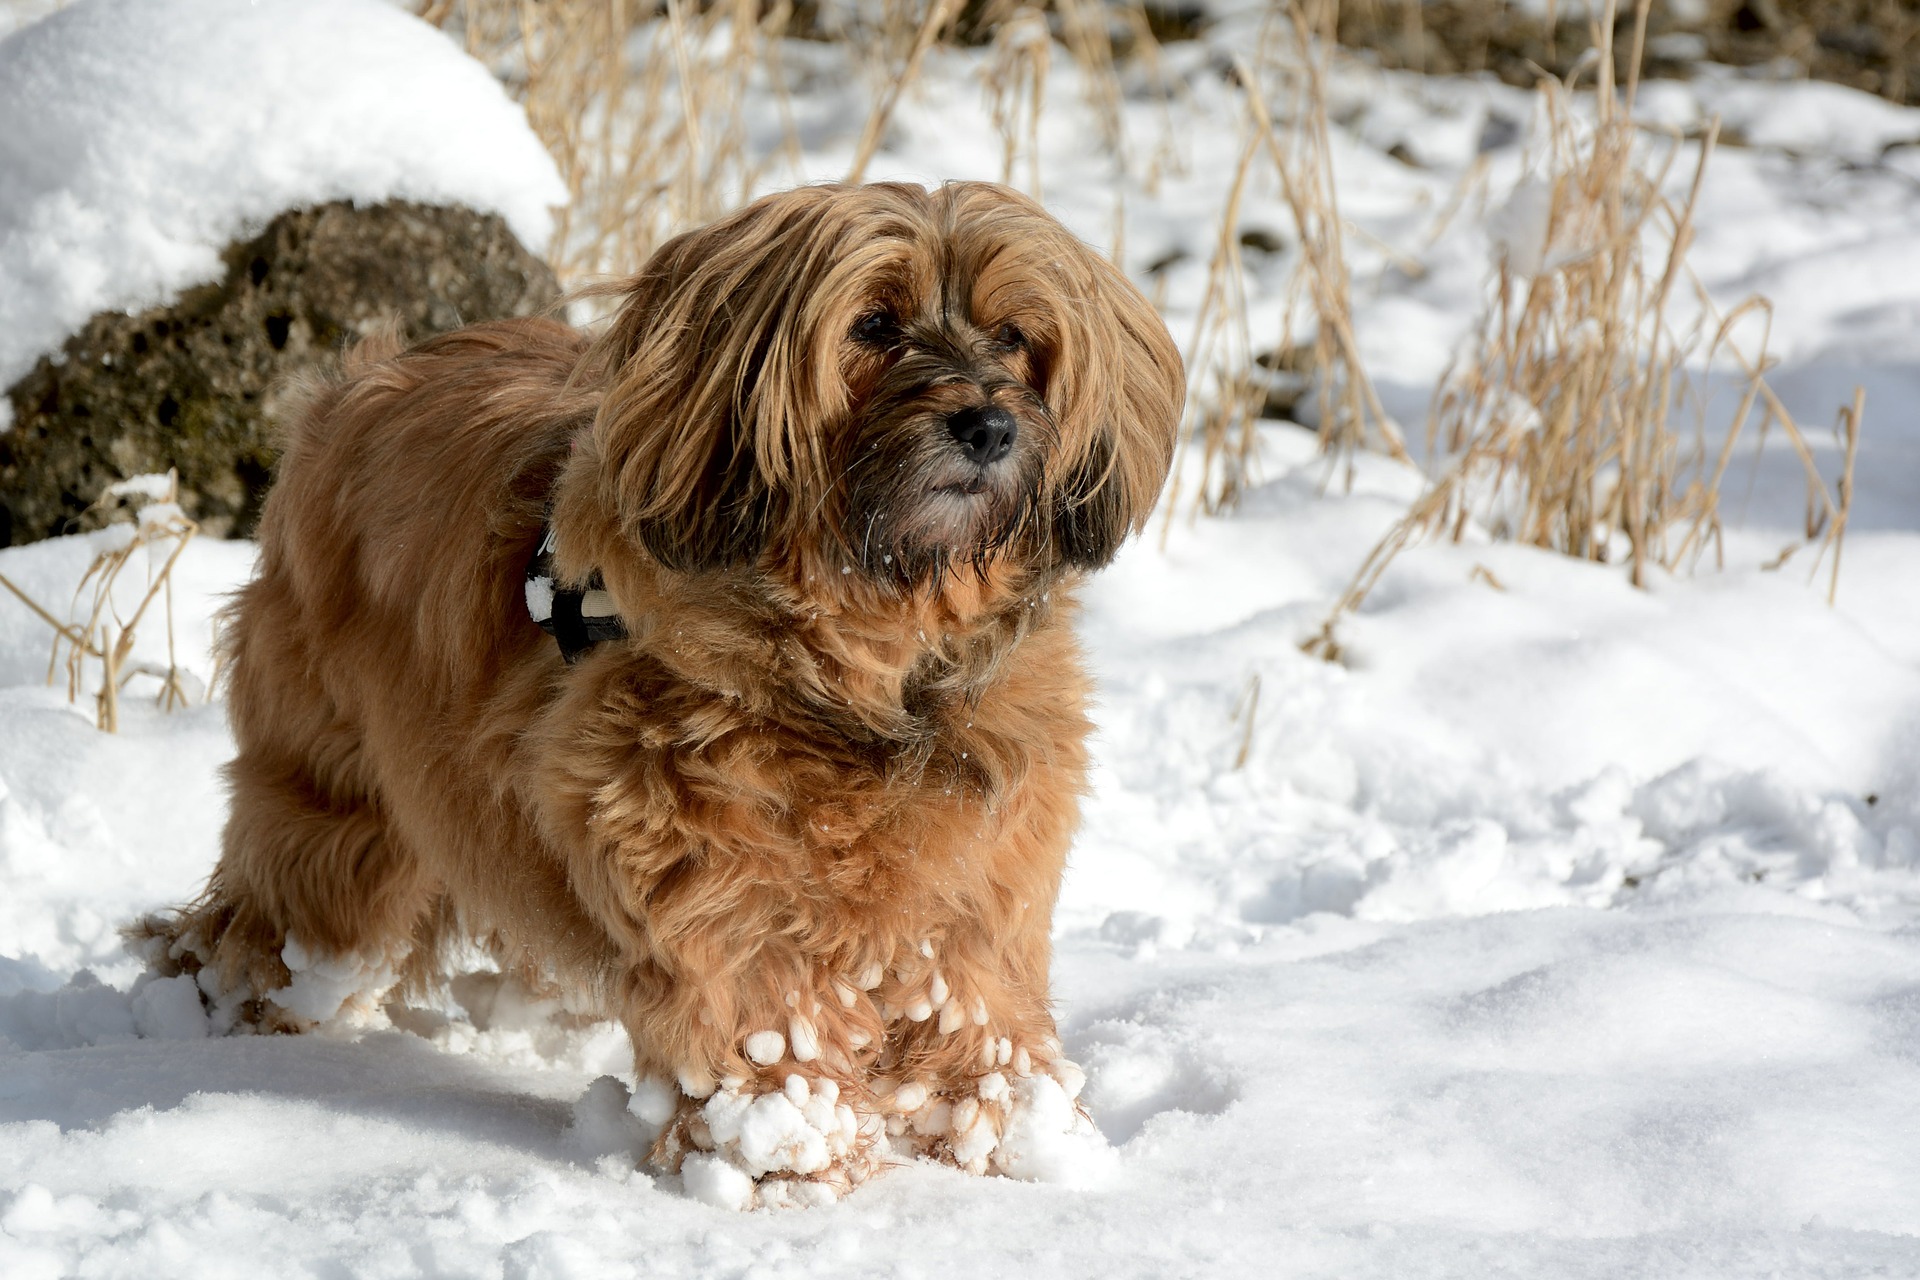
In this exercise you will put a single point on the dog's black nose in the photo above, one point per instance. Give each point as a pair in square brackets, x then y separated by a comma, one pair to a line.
[985, 432]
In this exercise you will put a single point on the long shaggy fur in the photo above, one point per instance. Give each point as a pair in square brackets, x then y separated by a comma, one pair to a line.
[833, 771]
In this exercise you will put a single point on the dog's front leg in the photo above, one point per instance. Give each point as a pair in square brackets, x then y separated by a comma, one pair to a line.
[741, 981]
[754, 1053]
[976, 1073]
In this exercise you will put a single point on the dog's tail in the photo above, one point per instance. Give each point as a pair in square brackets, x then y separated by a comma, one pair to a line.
[383, 341]
[307, 396]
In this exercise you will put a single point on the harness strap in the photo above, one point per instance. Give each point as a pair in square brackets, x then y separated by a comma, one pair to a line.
[577, 618]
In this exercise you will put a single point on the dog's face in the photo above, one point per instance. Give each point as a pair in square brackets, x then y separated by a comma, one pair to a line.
[885, 383]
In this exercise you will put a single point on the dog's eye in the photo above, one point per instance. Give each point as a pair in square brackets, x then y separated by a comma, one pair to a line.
[876, 327]
[1009, 338]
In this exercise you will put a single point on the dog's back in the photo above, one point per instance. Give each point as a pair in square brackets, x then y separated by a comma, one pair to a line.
[408, 498]
[405, 486]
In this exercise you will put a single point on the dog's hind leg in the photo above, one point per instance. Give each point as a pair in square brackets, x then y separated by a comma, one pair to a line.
[315, 902]
[311, 911]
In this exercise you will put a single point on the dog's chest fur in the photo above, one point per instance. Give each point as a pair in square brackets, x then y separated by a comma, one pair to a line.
[782, 784]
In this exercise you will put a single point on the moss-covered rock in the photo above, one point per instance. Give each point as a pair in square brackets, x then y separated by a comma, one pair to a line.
[195, 385]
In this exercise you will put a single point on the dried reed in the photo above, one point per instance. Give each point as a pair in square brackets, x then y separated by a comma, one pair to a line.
[1558, 422]
[1229, 392]
[104, 637]
[643, 105]
[1351, 416]
[1015, 80]
[1086, 30]
[1224, 399]
[939, 14]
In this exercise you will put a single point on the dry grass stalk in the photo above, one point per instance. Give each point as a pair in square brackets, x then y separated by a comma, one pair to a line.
[1246, 712]
[1827, 508]
[1228, 395]
[938, 17]
[1561, 415]
[1558, 422]
[1086, 31]
[1351, 416]
[1015, 80]
[106, 638]
[643, 105]
[1223, 400]
[1850, 431]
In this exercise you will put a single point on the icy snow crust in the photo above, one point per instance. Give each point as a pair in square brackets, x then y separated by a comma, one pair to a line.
[139, 137]
[1567, 930]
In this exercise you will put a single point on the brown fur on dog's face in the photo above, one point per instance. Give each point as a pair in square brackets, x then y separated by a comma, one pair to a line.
[779, 386]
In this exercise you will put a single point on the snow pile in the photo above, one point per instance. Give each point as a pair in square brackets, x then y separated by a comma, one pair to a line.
[1046, 1139]
[94, 826]
[333, 989]
[1805, 117]
[1562, 739]
[139, 137]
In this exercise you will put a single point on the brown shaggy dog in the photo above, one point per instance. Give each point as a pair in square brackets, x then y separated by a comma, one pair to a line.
[838, 461]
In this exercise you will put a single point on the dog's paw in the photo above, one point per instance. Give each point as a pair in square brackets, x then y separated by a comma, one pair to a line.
[744, 1147]
[1022, 1123]
[295, 991]
[1046, 1137]
[177, 946]
[337, 991]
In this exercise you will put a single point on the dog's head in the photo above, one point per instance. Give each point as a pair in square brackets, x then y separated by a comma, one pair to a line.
[886, 382]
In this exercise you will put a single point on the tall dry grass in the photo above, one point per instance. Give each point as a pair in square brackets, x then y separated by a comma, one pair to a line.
[643, 105]
[647, 105]
[98, 634]
[1290, 64]
[1350, 413]
[1561, 427]
[1225, 394]
[1015, 80]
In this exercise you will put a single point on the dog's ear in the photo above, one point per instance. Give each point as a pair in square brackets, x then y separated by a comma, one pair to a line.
[710, 398]
[1118, 392]
[1118, 398]
[1111, 375]
[1091, 512]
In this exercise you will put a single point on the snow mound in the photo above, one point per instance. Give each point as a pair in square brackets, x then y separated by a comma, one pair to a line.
[1047, 1140]
[325, 988]
[168, 1008]
[603, 1126]
[139, 137]
[1806, 117]
[711, 1180]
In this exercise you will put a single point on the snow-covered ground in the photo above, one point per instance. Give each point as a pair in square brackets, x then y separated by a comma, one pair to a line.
[1565, 929]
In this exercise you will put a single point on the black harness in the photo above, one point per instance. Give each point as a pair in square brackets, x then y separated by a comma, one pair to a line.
[577, 618]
